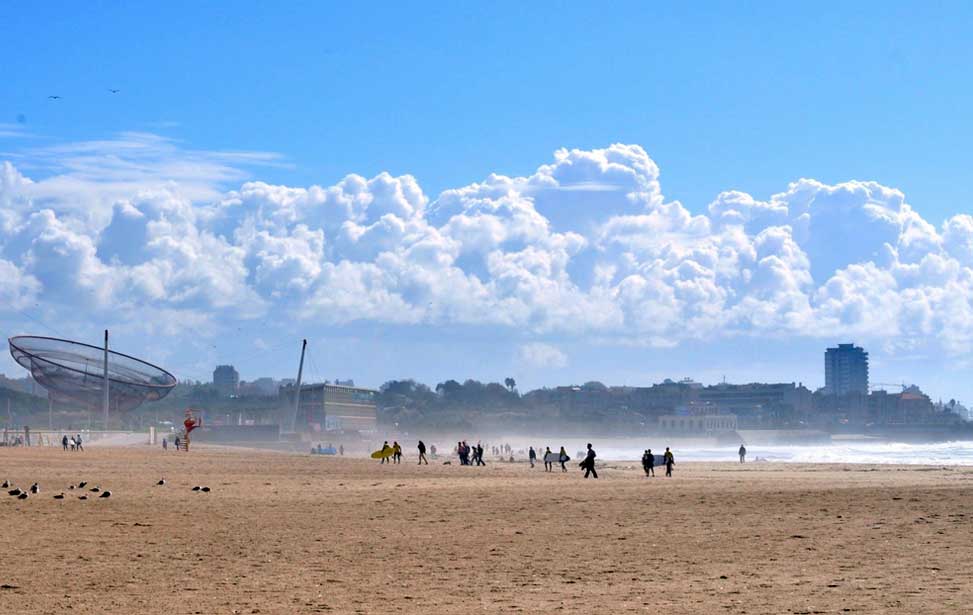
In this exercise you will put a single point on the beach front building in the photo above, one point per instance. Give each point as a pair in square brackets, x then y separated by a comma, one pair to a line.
[700, 425]
[760, 405]
[334, 408]
[846, 370]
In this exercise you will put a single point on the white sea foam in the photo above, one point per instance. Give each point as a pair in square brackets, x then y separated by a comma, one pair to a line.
[944, 453]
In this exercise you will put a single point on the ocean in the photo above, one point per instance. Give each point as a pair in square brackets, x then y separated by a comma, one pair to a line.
[942, 453]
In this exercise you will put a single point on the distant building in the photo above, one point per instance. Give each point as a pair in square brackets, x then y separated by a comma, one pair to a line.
[226, 380]
[698, 425]
[760, 404]
[330, 407]
[846, 370]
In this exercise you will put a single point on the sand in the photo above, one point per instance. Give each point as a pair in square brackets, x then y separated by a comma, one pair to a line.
[286, 533]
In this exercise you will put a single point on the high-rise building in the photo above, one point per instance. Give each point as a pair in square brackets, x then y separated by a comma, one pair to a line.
[226, 380]
[846, 370]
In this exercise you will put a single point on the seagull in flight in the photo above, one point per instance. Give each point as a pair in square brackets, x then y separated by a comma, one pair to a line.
[54, 97]
[113, 91]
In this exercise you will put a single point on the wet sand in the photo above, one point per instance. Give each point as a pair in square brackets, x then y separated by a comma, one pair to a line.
[299, 534]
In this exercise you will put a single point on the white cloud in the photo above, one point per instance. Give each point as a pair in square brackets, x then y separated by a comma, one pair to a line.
[587, 245]
[537, 354]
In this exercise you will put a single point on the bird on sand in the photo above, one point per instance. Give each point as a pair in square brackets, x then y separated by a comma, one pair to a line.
[95, 489]
[105, 494]
[204, 489]
[5, 484]
[35, 489]
[82, 484]
[59, 496]
[161, 482]
[23, 496]
[82, 497]
[14, 492]
[197, 488]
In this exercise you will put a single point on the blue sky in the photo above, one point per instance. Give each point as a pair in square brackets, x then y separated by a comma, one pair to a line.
[724, 95]
[721, 96]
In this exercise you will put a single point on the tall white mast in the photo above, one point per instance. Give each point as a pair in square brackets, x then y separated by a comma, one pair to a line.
[297, 393]
[104, 401]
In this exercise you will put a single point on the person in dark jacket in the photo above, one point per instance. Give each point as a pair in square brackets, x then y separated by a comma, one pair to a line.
[648, 462]
[588, 463]
[422, 453]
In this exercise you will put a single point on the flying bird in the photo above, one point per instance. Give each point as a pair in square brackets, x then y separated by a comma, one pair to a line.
[113, 91]
[52, 97]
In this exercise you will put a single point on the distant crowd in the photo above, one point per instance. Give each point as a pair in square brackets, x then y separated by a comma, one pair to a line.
[473, 455]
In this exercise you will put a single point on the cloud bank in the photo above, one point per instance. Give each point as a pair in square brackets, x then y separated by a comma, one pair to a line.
[587, 246]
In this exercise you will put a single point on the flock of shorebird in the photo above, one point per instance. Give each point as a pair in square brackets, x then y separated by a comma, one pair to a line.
[23, 494]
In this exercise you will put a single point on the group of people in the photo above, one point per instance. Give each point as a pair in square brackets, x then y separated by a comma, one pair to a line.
[550, 458]
[648, 462]
[391, 454]
[74, 443]
[473, 455]
[470, 455]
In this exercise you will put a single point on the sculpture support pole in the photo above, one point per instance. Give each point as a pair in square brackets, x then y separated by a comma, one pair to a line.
[297, 393]
[104, 401]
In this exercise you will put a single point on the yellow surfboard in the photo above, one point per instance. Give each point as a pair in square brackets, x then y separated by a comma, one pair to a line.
[382, 454]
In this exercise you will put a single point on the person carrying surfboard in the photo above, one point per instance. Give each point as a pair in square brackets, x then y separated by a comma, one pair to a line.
[386, 452]
[548, 460]
[562, 457]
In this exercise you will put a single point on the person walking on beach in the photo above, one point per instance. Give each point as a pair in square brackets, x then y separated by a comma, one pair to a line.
[64, 442]
[548, 459]
[743, 454]
[422, 453]
[648, 462]
[77, 440]
[670, 461]
[386, 453]
[588, 463]
[479, 454]
[532, 456]
[176, 442]
[562, 456]
[165, 444]
[396, 452]
[341, 450]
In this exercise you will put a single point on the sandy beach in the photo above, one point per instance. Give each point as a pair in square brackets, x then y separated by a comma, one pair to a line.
[283, 533]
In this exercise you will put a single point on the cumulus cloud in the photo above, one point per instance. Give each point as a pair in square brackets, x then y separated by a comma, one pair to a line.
[587, 245]
[538, 354]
